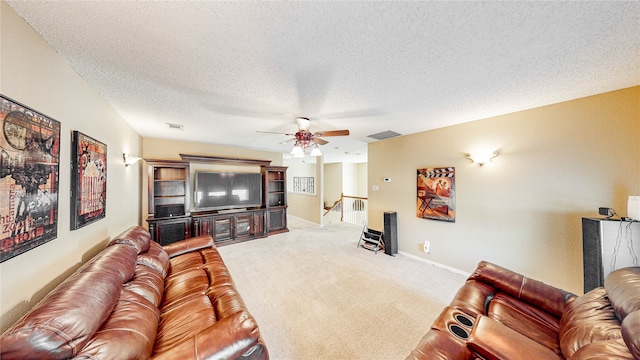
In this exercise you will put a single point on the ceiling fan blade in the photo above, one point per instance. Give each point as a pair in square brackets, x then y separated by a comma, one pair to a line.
[332, 133]
[287, 141]
[269, 132]
[273, 132]
[319, 141]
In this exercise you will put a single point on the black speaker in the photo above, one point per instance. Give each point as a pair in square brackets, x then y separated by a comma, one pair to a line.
[169, 210]
[171, 232]
[390, 236]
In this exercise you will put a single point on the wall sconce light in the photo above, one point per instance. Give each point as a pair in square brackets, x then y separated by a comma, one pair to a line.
[129, 160]
[482, 158]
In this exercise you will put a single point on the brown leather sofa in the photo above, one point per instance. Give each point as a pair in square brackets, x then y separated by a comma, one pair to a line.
[138, 300]
[498, 314]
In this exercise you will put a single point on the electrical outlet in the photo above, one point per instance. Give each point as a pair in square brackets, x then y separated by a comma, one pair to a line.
[427, 246]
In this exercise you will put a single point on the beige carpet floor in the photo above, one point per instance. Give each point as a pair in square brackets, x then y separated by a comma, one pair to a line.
[316, 295]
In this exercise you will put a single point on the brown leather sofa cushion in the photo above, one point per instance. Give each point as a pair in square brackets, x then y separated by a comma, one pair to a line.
[614, 349]
[227, 339]
[155, 258]
[184, 321]
[534, 292]
[588, 319]
[188, 245]
[148, 284]
[129, 333]
[64, 321]
[495, 341]
[182, 286]
[623, 288]
[630, 331]
[440, 345]
[135, 236]
[202, 313]
[526, 319]
[474, 296]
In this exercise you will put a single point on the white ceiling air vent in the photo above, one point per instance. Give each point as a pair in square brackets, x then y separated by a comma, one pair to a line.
[176, 126]
[384, 135]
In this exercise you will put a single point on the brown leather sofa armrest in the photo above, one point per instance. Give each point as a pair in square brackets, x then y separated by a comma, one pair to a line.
[440, 345]
[187, 245]
[546, 297]
[234, 337]
[630, 331]
[495, 341]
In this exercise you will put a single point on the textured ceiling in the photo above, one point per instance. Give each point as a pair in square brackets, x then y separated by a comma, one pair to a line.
[225, 70]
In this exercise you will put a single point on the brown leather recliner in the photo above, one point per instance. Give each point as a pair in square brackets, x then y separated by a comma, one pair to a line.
[499, 314]
[137, 300]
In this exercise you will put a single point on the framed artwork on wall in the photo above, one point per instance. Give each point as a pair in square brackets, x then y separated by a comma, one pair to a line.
[436, 190]
[304, 184]
[29, 176]
[296, 184]
[88, 180]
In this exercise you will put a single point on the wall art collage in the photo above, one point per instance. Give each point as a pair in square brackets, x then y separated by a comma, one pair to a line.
[304, 184]
[29, 179]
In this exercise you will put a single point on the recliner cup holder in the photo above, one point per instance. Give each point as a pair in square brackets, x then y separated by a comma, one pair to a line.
[464, 320]
[458, 331]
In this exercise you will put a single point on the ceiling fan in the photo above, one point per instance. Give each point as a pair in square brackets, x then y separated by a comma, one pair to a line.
[305, 139]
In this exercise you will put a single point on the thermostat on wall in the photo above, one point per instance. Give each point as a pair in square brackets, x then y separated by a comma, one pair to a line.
[387, 179]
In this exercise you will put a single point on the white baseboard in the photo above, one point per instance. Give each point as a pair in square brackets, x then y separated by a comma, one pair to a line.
[437, 264]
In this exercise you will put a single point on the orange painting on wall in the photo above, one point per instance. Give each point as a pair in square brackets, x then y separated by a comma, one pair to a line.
[436, 194]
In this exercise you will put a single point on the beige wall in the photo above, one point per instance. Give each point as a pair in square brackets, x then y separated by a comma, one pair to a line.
[306, 206]
[349, 179]
[557, 164]
[171, 149]
[332, 183]
[344, 178]
[32, 73]
[362, 169]
[337, 178]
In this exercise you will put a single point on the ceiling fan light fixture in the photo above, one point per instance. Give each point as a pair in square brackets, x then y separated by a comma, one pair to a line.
[297, 151]
[303, 123]
[316, 151]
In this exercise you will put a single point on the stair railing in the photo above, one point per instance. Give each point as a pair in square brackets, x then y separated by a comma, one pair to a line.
[353, 209]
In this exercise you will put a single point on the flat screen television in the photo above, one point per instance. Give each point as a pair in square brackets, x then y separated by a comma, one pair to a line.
[227, 190]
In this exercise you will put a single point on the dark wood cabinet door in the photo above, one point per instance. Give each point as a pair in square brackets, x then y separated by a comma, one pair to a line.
[168, 231]
[223, 228]
[202, 226]
[277, 219]
[243, 225]
[257, 228]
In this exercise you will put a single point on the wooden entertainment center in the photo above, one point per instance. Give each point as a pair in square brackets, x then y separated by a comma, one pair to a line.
[170, 214]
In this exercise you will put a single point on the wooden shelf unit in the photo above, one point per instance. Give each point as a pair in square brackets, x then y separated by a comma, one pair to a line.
[168, 189]
[169, 213]
[275, 197]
